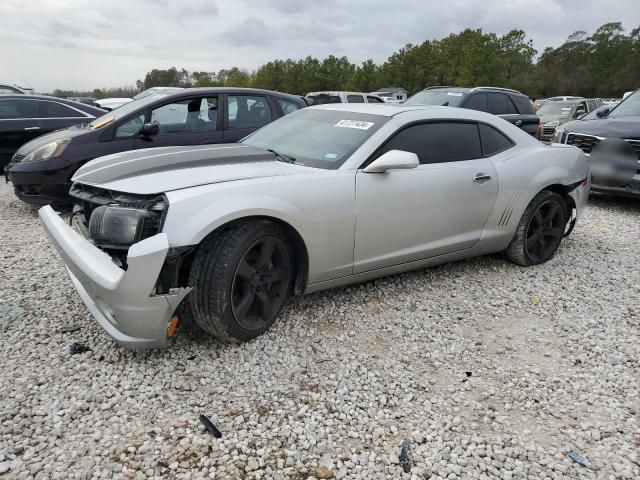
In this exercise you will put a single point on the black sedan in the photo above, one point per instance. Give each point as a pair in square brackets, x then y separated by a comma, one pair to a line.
[41, 170]
[25, 117]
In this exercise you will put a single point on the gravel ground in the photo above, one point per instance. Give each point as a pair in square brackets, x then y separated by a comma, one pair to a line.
[481, 368]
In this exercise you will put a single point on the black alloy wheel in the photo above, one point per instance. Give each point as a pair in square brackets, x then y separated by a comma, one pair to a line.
[545, 231]
[540, 230]
[260, 283]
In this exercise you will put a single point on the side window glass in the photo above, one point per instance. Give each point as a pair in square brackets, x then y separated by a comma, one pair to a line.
[477, 101]
[493, 141]
[510, 108]
[248, 111]
[186, 116]
[57, 110]
[374, 100]
[130, 128]
[287, 106]
[438, 142]
[499, 104]
[355, 99]
[18, 109]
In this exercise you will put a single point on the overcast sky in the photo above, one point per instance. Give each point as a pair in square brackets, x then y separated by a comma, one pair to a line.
[82, 44]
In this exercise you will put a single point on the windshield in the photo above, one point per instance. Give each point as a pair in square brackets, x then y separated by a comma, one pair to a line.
[556, 108]
[629, 107]
[447, 98]
[317, 138]
[155, 90]
[323, 99]
[123, 111]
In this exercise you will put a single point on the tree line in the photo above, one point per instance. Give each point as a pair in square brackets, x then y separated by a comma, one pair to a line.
[603, 64]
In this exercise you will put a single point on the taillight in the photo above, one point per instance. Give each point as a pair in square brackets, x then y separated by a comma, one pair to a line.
[539, 130]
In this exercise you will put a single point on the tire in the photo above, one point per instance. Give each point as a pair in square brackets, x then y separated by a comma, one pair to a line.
[231, 267]
[540, 230]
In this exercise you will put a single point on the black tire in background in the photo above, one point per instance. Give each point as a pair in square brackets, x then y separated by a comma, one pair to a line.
[539, 231]
[241, 278]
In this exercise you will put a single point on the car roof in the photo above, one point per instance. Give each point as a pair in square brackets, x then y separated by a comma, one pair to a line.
[338, 92]
[82, 106]
[383, 109]
[229, 90]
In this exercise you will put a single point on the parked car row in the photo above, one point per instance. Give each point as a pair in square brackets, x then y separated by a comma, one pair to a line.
[610, 134]
[557, 112]
[41, 169]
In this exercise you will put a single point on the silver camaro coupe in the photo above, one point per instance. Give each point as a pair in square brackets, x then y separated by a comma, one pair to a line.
[330, 195]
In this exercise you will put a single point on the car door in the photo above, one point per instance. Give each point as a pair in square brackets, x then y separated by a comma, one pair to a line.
[526, 113]
[437, 208]
[186, 121]
[19, 123]
[244, 114]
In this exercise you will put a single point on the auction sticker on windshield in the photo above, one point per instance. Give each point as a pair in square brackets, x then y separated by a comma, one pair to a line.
[359, 124]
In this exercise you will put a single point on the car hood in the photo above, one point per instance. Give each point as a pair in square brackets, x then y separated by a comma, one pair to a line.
[624, 127]
[38, 142]
[157, 170]
[548, 118]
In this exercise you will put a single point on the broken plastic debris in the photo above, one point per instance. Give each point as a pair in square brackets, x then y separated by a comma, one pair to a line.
[181, 423]
[69, 329]
[211, 428]
[535, 300]
[78, 348]
[602, 229]
[405, 462]
[578, 458]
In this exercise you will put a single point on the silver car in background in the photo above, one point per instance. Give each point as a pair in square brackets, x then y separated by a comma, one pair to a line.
[326, 196]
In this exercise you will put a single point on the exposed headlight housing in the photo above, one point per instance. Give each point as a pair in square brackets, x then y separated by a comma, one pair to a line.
[120, 227]
[45, 152]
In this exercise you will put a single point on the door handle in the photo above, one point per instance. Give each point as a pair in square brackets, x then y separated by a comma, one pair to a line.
[481, 177]
[518, 123]
[31, 129]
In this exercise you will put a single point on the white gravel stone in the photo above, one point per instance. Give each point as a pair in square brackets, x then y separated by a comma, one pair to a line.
[344, 376]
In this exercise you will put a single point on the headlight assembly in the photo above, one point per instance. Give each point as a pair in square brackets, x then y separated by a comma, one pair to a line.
[53, 149]
[120, 227]
[552, 123]
[557, 135]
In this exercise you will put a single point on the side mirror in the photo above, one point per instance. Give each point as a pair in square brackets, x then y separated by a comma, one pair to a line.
[149, 129]
[603, 113]
[393, 160]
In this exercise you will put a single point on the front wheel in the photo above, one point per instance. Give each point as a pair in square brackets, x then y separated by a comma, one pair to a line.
[539, 231]
[241, 278]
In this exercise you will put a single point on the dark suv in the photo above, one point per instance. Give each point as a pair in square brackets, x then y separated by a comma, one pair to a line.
[511, 105]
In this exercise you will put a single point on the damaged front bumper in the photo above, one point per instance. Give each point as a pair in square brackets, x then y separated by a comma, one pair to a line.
[123, 301]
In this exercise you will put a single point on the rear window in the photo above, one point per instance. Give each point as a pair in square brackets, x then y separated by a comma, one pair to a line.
[447, 98]
[324, 99]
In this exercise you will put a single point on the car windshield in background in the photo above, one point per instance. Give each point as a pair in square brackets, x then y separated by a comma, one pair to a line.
[556, 108]
[324, 99]
[317, 138]
[629, 107]
[447, 98]
[123, 111]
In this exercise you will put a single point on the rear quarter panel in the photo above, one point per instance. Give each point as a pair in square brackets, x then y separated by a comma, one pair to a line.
[525, 172]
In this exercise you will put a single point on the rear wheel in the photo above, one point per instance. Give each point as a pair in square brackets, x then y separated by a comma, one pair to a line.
[240, 278]
[539, 231]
